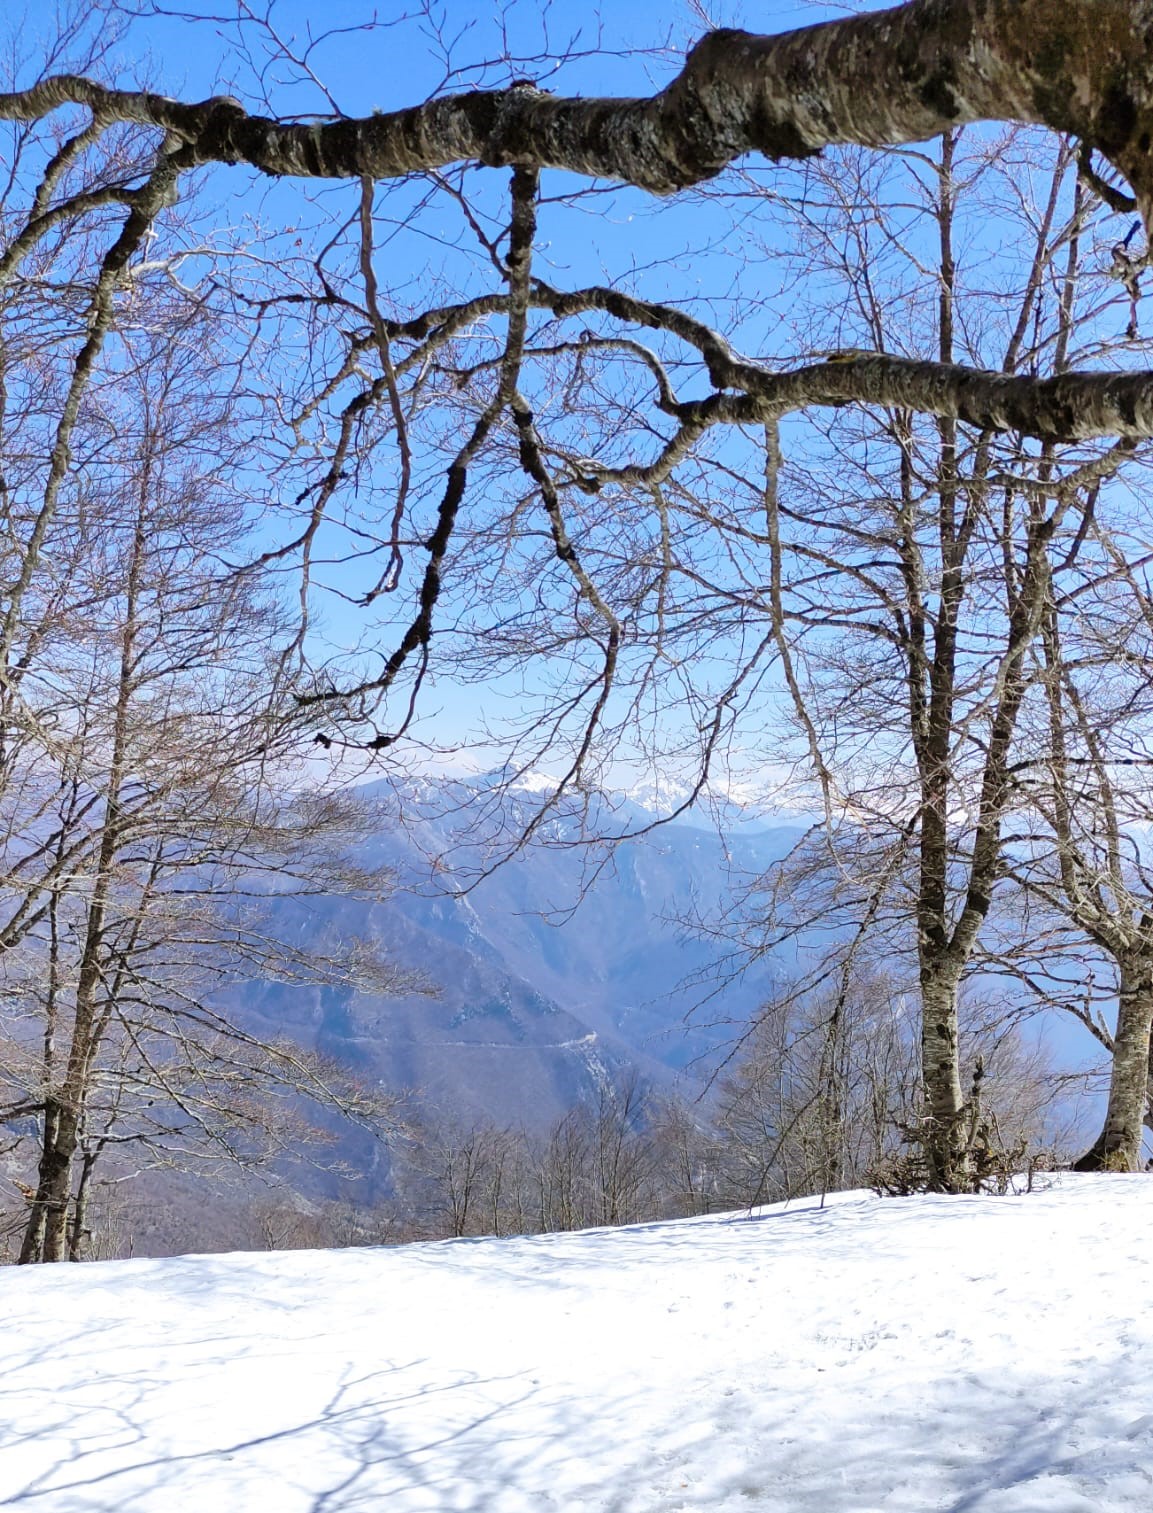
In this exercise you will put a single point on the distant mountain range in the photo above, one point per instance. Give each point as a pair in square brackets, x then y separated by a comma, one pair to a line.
[561, 968]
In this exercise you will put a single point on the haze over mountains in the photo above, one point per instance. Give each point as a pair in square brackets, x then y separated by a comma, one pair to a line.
[547, 980]
[561, 972]
[553, 975]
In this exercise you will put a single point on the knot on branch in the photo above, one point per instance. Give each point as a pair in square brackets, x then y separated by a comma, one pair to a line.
[730, 106]
[511, 131]
[221, 130]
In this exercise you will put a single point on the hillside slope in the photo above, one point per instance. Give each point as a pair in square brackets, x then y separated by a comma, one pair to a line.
[985, 1355]
[538, 1002]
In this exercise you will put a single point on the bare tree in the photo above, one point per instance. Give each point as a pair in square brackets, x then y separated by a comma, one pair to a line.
[913, 560]
[465, 1178]
[548, 469]
[824, 1094]
[149, 802]
[1084, 869]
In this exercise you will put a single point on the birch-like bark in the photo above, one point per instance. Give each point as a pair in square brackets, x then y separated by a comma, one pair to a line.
[902, 75]
[1118, 1146]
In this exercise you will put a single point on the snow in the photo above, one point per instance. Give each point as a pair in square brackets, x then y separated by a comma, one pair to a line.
[531, 781]
[975, 1355]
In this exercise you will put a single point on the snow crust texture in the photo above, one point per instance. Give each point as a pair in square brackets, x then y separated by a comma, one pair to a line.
[966, 1355]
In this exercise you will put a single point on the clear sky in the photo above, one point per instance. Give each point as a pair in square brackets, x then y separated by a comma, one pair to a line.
[687, 249]
[630, 47]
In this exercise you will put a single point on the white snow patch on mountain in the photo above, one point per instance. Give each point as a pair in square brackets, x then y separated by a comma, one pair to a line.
[974, 1355]
[534, 782]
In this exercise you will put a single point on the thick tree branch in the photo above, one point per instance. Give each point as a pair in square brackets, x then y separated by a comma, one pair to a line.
[1074, 406]
[1070, 407]
[901, 75]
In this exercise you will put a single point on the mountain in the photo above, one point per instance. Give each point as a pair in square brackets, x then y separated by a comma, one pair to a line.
[558, 970]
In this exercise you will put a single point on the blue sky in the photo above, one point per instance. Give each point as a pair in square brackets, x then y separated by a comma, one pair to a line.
[686, 249]
[631, 47]
[626, 46]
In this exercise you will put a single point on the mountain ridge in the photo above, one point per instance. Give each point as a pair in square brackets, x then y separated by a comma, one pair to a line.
[547, 983]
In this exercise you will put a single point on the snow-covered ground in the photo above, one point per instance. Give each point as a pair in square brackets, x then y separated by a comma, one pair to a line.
[976, 1355]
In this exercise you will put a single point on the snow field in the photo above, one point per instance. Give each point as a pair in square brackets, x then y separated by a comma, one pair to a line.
[928, 1355]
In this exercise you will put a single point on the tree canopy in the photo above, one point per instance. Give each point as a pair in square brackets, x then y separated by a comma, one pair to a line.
[875, 535]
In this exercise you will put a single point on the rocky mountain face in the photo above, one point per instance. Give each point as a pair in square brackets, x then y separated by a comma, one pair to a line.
[561, 971]
[557, 971]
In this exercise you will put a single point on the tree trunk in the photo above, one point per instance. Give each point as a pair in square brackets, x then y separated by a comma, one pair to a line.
[1118, 1146]
[46, 1238]
[942, 1134]
[78, 1228]
[45, 1235]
